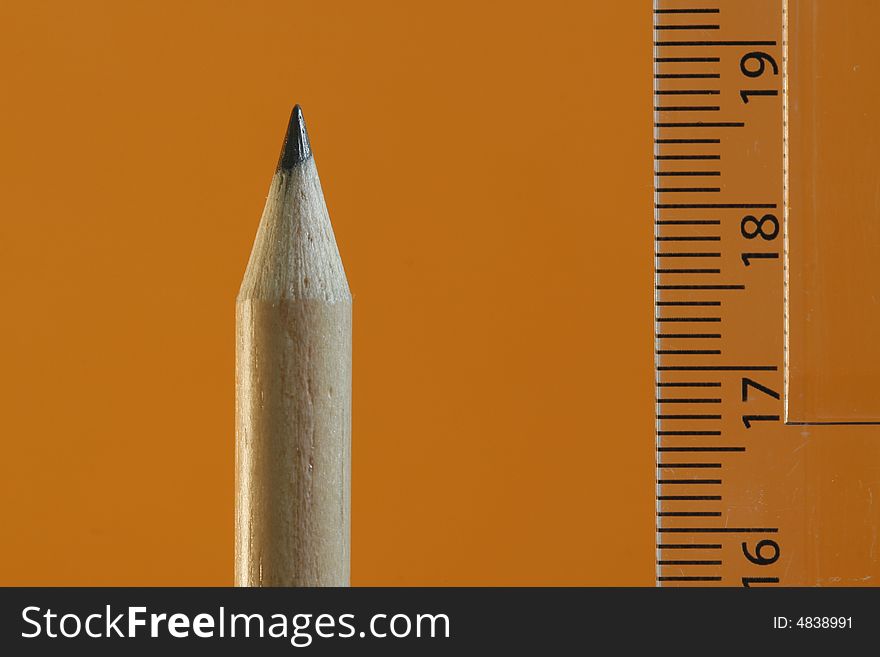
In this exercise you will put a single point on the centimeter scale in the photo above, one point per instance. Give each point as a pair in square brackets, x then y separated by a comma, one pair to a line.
[744, 498]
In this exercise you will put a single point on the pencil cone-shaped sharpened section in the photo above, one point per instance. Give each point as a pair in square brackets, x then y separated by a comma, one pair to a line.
[294, 254]
[296, 149]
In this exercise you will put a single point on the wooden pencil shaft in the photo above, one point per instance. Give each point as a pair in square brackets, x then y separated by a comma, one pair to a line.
[293, 391]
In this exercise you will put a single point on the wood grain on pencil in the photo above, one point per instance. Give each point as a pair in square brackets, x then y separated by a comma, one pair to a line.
[293, 388]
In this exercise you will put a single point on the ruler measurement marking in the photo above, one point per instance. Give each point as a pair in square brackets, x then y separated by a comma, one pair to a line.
[689, 562]
[700, 124]
[717, 368]
[661, 44]
[704, 416]
[689, 432]
[688, 303]
[701, 287]
[688, 222]
[690, 60]
[687, 76]
[715, 206]
[709, 26]
[689, 238]
[688, 190]
[690, 384]
[689, 498]
[689, 579]
[686, 173]
[687, 157]
[687, 11]
[708, 450]
[688, 108]
[718, 530]
[676, 254]
[688, 92]
[687, 141]
[689, 514]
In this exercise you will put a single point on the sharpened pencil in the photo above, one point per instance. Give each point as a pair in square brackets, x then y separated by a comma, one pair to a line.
[293, 388]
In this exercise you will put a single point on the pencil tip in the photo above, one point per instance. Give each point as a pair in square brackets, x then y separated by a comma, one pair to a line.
[296, 149]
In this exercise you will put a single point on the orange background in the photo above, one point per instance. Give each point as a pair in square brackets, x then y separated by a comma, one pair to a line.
[488, 170]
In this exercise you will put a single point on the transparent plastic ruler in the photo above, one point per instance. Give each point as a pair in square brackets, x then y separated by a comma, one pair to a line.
[746, 496]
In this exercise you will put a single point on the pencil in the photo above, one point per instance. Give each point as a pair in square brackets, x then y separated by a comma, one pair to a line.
[293, 388]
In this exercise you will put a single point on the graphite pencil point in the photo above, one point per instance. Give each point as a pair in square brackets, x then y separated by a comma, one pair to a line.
[296, 149]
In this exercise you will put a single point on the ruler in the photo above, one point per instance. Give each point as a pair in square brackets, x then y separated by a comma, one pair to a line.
[743, 497]
[719, 211]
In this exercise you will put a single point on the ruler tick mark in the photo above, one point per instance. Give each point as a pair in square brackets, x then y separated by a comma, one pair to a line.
[711, 206]
[698, 416]
[700, 124]
[688, 92]
[687, 11]
[688, 60]
[689, 498]
[687, 27]
[718, 530]
[688, 433]
[688, 222]
[688, 238]
[675, 254]
[693, 562]
[717, 368]
[701, 287]
[714, 43]
[687, 141]
[688, 514]
[685, 174]
[688, 190]
[687, 157]
[701, 449]
[689, 108]
[687, 76]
